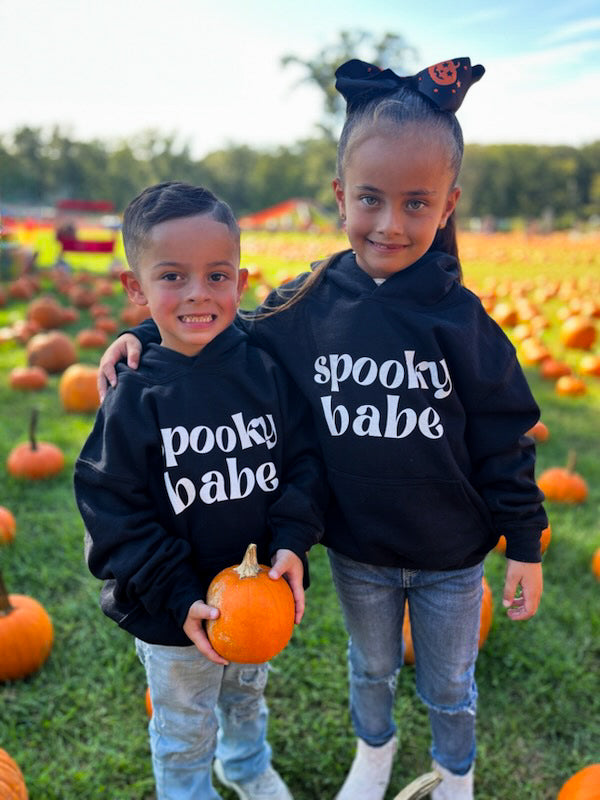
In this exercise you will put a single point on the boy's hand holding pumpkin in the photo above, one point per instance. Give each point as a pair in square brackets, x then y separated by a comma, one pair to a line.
[287, 563]
[194, 629]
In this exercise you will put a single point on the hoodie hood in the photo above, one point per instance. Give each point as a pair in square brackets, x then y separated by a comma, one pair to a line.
[426, 282]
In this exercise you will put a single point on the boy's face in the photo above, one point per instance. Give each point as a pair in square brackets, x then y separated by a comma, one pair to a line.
[188, 274]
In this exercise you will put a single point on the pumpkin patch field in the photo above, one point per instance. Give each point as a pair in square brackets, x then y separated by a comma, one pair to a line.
[73, 718]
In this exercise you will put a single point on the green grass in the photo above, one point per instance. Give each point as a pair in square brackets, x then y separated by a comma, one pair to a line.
[77, 728]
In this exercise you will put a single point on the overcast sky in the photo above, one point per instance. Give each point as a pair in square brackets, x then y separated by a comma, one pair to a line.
[210, 72]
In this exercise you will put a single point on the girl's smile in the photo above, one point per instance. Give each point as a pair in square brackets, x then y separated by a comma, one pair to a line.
[396, 193]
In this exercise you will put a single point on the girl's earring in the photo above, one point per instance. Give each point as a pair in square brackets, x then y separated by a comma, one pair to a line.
[343, 221]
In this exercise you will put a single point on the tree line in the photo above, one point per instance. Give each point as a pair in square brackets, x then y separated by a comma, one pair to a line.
[502, 181]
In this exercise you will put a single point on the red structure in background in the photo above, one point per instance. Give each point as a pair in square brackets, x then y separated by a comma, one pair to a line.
[66, 232]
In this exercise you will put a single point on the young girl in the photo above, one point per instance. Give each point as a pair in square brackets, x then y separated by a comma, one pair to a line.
[421, 409]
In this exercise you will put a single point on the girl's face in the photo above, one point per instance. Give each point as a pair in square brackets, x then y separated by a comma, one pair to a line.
[189, 277]
[396, 193]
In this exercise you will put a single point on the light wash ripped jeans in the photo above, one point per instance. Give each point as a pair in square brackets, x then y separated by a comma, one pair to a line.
[201, 709]
[445, 610]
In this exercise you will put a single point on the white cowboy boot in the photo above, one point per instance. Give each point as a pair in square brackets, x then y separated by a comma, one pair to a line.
[453, 787]
[370, 772]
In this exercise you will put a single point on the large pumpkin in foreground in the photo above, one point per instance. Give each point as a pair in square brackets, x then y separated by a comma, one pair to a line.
[487, 612]
[26, 635]
[257, 613]
[584, 785]
[12, 782]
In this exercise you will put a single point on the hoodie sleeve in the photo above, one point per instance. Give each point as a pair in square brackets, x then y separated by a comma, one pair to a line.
[125, 542]
[500, 410]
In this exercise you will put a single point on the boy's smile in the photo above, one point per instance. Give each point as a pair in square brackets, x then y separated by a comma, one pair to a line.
[189, 276]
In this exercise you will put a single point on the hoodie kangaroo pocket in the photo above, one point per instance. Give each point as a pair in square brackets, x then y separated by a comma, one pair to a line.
[424, 523]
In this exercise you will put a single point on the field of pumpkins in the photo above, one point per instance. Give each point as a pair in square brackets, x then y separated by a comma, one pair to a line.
[72, 693]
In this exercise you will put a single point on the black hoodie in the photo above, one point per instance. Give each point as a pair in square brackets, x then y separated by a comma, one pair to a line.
[421, 410]
[191, 459]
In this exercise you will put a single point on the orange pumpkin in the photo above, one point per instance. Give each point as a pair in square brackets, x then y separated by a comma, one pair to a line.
[590, 365]
[12, 782]
[91, 338]
[596, 563]
[533, 351]
[570, 386]
[26, 635]
[583, 785]
[563, 484]
[54, 351]
[578, 332]
[551, 369]
[28, 378]
[487, 614]
[256, 618]
[106, 324]
[46, 312]
[35, 460]
[8, 527]
[77, 388]
[539, 432]
[544, 541]
[505, 315]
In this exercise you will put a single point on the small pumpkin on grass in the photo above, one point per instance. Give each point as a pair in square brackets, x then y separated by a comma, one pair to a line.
[257, 613]
[596, 563]
[35, 460]
[54, 351]
[77, 388]
[8, 527]
[583, 785]
[487, 614]
[26, 635]
[570, 386]
[539, 432]
[28, 378]
[563, 484]
[590, 365]
[12, 781]
[578, 332]
[91, 338]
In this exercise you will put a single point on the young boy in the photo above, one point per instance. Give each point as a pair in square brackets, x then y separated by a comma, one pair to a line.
[202, 450]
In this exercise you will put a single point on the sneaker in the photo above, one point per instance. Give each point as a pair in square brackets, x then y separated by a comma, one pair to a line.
[370, 772]
[266, 786]
[453, 787]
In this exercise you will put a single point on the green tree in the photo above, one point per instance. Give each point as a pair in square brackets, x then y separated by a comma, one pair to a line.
[389, 50]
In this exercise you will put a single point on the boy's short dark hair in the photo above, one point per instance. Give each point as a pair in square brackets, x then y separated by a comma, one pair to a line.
[165, 201]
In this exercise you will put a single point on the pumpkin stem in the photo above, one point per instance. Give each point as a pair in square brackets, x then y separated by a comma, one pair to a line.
[32, 428]
[5, 606]
[571, 460]
[249, 567]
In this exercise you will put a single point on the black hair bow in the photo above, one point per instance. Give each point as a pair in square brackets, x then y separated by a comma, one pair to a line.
[444, 84]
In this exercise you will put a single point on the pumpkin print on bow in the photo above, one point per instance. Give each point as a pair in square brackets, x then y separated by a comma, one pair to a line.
[444, 84]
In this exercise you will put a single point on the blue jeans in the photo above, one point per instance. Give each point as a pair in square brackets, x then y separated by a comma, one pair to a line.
[445, 610]
[201, 709]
